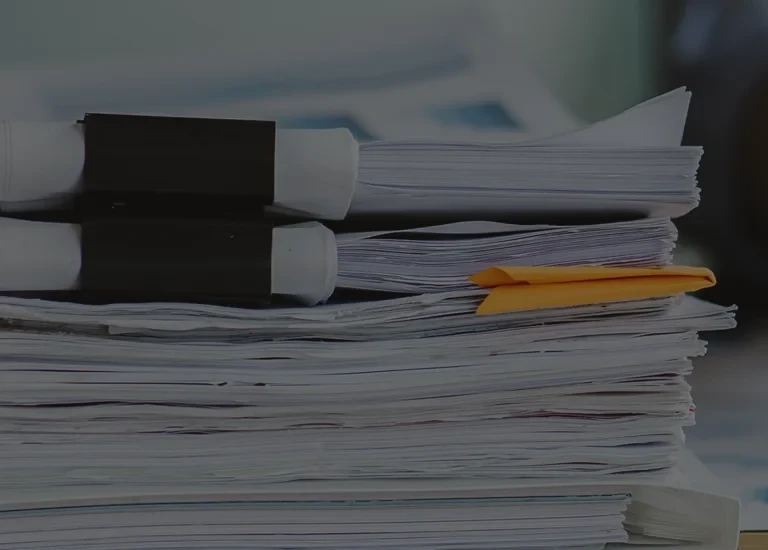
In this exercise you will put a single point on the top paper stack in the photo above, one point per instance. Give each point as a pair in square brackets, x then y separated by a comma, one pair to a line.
[518, 387]
[176, 163]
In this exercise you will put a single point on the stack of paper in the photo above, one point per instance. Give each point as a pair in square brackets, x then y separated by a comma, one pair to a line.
[594, 170]
[396, 523]
[527, 389]
[174, 403]
[211, 400]
[497, 179]
[443, 257]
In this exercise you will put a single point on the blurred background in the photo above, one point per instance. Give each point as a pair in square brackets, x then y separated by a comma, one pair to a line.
[495, 70]
[573, 46]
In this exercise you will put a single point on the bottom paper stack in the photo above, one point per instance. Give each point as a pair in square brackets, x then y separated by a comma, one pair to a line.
[406, 423]
[681, 509]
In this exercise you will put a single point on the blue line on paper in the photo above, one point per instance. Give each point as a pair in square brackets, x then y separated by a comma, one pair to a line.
[488, 115]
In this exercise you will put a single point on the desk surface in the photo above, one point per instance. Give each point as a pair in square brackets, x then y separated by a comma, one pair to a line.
[753, 541]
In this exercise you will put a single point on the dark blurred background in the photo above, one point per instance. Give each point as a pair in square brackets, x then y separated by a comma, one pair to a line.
[496, 70]
[720, 51]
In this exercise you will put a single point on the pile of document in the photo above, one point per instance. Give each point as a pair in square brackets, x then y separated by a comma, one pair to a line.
[515, 387]
[443, 257]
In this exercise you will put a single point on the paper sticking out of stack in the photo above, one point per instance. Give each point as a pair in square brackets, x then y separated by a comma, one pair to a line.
[424, 421]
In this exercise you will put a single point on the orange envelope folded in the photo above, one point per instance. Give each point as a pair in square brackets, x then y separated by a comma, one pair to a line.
[520, 288]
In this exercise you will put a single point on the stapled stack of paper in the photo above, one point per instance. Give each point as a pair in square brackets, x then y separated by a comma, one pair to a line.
[527, 389]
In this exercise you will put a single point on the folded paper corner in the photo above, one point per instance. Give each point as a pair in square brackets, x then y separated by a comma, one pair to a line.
[490, 277]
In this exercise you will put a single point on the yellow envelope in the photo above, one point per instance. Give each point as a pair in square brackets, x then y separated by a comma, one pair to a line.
[520, 288]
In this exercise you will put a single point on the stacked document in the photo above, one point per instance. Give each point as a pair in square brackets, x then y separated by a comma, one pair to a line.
[598, 169]
[308, 262]
[443, 257]
[327, 174]
[497, 179]
[410, 421]
[497, 386]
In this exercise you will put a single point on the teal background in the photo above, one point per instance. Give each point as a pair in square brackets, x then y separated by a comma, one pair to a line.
[598, 56]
